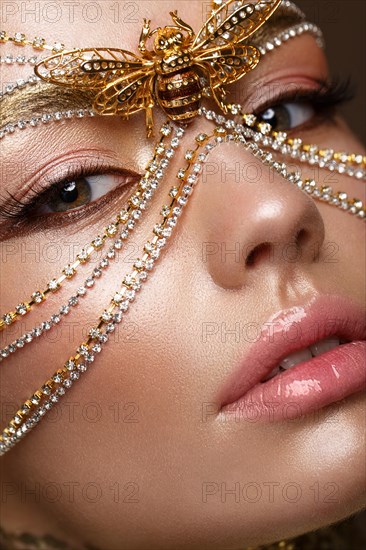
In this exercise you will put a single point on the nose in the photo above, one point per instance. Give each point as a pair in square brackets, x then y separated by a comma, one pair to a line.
[252, 221]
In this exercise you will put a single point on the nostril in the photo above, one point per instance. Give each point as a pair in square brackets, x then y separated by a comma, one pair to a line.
[302, 238]
[261, 251]
[305, 246]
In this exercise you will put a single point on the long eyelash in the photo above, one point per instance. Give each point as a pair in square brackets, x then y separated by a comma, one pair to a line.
[17, 209]
[324, 99]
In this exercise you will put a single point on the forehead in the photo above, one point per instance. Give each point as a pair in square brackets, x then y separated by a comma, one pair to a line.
[102, 23]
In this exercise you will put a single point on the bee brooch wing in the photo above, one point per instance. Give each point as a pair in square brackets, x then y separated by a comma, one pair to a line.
[119, 77]
[231, 24]
[218, 46]
[127, 95]
[90, 69]
[228, 64]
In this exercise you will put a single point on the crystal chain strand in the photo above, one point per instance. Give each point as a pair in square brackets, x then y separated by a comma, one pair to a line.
[19, 84]
[292, 32]
[35, 121]
[19, 60]
[19, 39]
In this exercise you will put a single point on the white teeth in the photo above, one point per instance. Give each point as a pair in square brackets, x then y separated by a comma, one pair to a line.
[295, 358]
[324, 345]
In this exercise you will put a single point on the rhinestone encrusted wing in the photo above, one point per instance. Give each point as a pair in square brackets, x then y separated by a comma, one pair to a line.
[228, 64]
[234, 22]
[125, 96]
[90, 69]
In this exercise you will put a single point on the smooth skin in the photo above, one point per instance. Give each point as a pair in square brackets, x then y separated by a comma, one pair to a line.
[129, 459]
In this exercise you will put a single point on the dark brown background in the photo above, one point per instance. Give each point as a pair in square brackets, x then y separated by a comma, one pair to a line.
[343, 23]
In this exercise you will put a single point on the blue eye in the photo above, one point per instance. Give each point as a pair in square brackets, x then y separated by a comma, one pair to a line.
[287, 116]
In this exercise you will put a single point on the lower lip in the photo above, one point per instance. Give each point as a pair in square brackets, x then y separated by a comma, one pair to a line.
[305, 388]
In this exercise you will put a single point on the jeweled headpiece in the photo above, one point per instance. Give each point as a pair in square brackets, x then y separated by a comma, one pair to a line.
[177, 74]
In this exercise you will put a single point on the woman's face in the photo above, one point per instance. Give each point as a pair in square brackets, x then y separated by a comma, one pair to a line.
[139, 450]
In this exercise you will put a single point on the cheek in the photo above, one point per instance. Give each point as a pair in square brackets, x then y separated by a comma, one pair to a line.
[142, 363]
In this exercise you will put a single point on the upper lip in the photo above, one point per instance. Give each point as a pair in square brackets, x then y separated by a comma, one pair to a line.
[323, 317]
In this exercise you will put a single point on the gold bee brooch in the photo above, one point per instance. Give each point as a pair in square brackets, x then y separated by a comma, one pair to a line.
[179, 70]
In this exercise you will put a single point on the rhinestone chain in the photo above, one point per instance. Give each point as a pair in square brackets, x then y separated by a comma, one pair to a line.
[19, 60]
[293, 32]
[19, 39]
[19, 84]
[45, 119]
[325, 193]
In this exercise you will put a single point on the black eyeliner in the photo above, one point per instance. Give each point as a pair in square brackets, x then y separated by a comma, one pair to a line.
[17, 210]
[323, 99]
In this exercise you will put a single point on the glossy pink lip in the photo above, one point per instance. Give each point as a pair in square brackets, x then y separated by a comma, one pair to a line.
[310, 385]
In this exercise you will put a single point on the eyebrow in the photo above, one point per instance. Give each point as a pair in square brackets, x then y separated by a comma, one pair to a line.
[41, 98]
[47, 98]
[281, 20]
